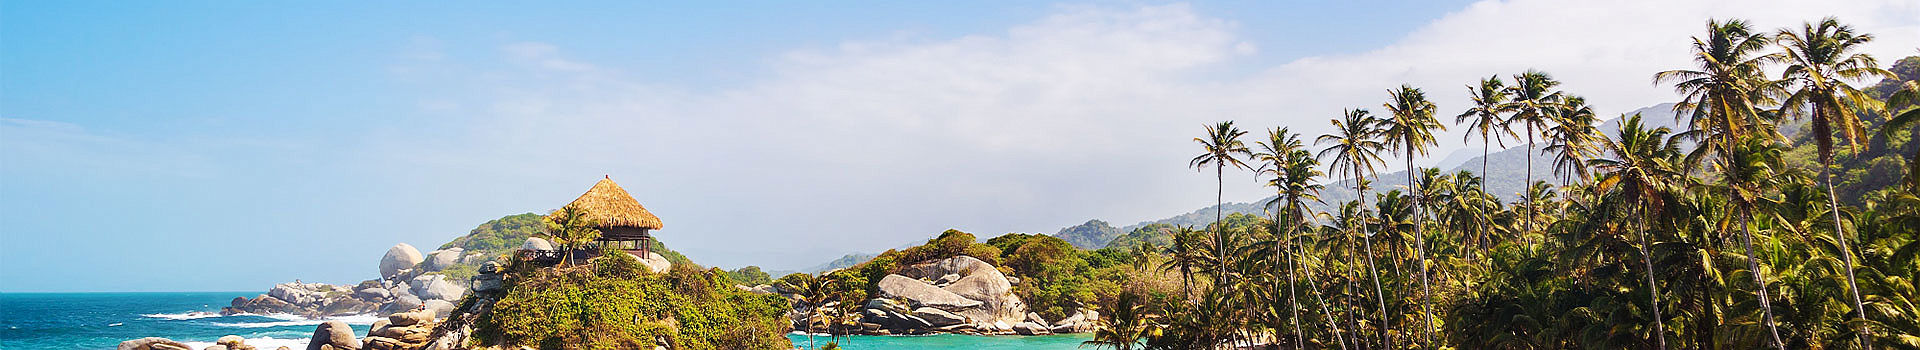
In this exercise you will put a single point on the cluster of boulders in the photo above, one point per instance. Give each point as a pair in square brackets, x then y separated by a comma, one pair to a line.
[961, 295]
[401, 331]
[407, 283]
[230, 342]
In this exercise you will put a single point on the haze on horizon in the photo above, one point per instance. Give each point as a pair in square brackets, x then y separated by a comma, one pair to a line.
[229, 146]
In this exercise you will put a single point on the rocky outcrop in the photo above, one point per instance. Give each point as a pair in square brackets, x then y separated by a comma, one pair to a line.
[399, 259]
[436, 287]
[335, 334]
[442, 259]
[654, 261]
[152, 343]
[978, 281]
[402, 331]
[230, 342]
[919, 293]
[955, 295]
[313, 300]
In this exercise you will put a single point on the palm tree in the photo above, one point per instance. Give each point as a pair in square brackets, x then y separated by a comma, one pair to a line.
[810, 293]
[569, 228]
[1490, 103]
[1410, 129]
[1636, 174]
[1570, 138]
[1277, 159]
[1820, 59]
[1222, 149]
[1184, 254]
[1533, 100]
[1124, 325]
[1355, 149]
[1721, 99]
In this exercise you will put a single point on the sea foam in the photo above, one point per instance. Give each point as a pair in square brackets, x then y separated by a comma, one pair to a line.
[195, 315]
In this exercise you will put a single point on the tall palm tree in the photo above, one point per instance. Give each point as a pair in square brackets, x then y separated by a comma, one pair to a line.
[1410, 129]
[1487, 118]
[1636, 173]
[1533, 103]
[1277, 158]
[1354, 148]
[1820, 59]
[1222, 149]
[1570, 138]
[1722, 95]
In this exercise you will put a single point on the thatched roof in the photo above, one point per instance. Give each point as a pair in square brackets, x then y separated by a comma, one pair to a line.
[611, 206]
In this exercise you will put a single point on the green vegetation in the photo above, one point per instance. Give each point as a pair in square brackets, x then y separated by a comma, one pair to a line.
[1091, 235]
[500, 235]
[749, 276]
[1781, 214]
[613, 302]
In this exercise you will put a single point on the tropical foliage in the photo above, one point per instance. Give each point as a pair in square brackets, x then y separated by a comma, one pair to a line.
[1780, 214]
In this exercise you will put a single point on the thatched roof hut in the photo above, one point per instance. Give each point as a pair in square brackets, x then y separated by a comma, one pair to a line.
[617, 215]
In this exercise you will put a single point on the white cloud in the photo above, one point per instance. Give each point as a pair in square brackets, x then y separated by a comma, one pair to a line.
[1085, 113]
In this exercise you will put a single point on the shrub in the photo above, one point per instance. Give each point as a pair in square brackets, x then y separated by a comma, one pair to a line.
[616, 303]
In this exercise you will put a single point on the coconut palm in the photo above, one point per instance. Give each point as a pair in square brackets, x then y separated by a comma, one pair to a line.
[1355, 148]
[1637, 173]
[1276, 158]
[1533, 101]
[1410, 129]
[1721, 98]
[569, 228]
[1185, 254]
[1125, 323]
[1570, 138]
[1820, 59]
[1222, 149]
[1487, 118]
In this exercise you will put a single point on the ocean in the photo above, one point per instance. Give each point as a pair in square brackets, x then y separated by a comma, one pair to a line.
[102, 320]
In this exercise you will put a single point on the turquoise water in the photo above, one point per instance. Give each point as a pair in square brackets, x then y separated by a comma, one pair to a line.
[102, 320]
[949, 341]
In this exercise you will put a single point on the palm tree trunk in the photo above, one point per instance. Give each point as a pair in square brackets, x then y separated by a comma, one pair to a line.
[1378, 294]
[1484, 146]
[1846, 252]
[1527, 190]
[1420, 249]
[1659, 327]
[1332, 319]
[1293, 302]
[1219, 229]
[1760, 281]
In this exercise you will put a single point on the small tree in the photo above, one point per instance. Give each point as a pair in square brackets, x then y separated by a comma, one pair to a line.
[569, 228]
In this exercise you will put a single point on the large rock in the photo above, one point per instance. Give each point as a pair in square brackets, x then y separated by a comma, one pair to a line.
[439, 308]
[938, 318]
[436, 287]
[398, 259]
[536, 243]
[152, 343]
[334, 333]
[655, 262]
[442, 259]
[1030, 328]
[979, 281]
[922, 294]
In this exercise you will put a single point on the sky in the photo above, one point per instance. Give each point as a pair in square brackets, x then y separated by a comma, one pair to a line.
[227, 146]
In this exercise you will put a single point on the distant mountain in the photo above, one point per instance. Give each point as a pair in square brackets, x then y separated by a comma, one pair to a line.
[843, 262]
[1091, 235]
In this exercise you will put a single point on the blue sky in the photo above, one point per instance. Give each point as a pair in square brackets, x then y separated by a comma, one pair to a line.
[230, 145]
